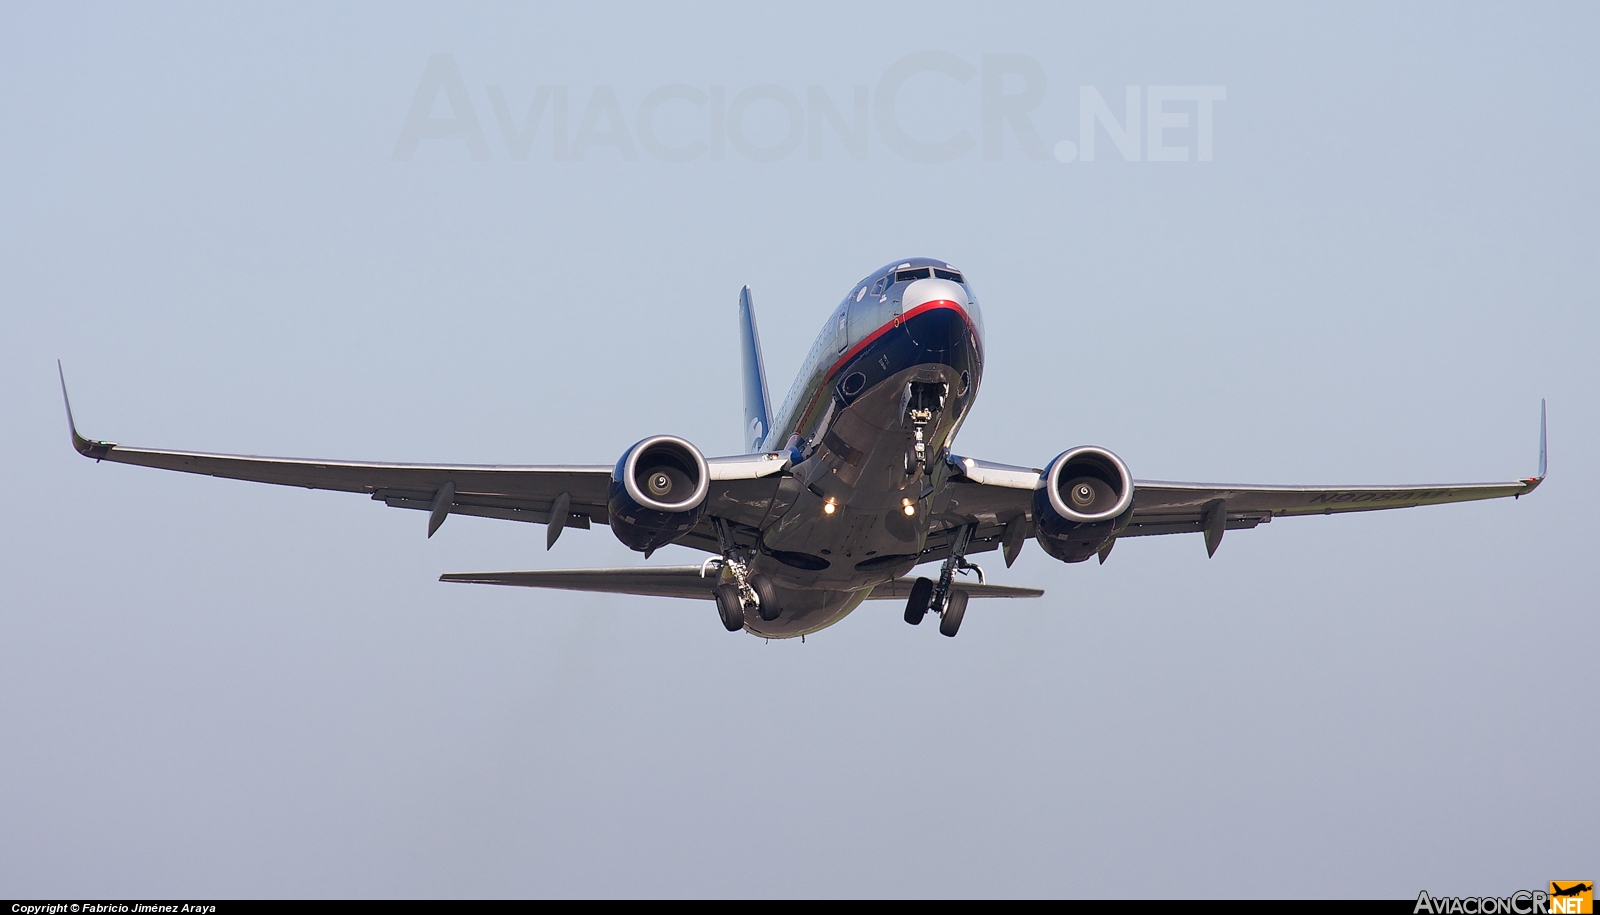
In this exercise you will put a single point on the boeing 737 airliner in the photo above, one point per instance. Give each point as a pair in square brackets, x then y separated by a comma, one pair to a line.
[845, 489]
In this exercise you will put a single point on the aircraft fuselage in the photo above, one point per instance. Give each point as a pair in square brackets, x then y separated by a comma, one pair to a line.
[900, 361]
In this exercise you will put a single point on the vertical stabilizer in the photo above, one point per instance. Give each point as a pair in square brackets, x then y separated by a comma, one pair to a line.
[757, 406]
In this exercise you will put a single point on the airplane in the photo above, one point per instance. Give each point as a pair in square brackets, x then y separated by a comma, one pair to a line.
[843, 490]
[1577, 889]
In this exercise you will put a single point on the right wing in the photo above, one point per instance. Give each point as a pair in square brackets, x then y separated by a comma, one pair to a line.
[739, 489]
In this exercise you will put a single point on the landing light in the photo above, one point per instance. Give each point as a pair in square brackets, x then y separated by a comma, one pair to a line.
[827, 508]
[911, 509]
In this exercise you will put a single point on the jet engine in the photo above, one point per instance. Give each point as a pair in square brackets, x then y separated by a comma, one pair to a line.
[1087, 500]
[658, 491]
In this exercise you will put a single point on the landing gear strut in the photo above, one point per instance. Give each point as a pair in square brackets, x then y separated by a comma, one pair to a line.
[923, 401]
[956, 560]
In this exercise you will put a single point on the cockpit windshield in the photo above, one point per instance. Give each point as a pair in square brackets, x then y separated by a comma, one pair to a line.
[922, 273]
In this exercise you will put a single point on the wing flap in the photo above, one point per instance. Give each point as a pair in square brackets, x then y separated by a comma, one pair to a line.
[1155, 500]
[1188, 526]
[491, 507]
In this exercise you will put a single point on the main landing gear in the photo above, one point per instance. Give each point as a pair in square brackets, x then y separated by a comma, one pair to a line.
[917, 605]
[730, 607]
[950, 604]
[955, 608]
[740, 588]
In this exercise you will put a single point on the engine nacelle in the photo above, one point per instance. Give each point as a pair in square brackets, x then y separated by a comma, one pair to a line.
[1087, 499]
[658, 491]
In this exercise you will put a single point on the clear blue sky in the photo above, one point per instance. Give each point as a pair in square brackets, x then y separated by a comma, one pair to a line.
[216, 688]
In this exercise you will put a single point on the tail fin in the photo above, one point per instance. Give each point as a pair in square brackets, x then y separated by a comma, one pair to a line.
[757, 405]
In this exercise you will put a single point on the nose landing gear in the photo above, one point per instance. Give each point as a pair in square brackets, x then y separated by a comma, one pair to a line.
[922, 402]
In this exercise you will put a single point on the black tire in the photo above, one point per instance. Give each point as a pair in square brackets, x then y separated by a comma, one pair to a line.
[917, 604]
[729, 608]
[954, 609]
[770, 608]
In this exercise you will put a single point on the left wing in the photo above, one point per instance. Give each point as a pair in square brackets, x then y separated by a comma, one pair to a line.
[993, 495]
[1174, 508]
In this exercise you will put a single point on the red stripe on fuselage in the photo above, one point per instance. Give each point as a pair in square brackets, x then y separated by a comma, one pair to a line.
[873, 337]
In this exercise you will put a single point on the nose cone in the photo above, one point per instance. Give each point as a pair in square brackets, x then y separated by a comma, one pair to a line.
[922, 292]
[928, 292]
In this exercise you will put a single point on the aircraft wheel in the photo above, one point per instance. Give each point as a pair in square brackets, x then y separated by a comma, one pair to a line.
[769, 608]
[729, 608]
[917, 604]
[955, 608]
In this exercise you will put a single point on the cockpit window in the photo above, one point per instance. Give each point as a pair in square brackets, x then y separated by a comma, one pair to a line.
[902, 276]
[950, 275]
[880, 285]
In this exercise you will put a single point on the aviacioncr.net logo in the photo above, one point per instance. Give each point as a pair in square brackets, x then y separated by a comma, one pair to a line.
[1566, 897]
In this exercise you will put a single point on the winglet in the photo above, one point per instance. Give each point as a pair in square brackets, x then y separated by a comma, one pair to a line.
[1544, 459]
[1532, 483]
[83, 446]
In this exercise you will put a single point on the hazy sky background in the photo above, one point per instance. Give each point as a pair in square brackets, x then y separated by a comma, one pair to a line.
[212, 688]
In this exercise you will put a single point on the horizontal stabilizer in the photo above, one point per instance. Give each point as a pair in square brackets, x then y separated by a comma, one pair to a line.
[660, 581]
[900, 589]
[679, 581]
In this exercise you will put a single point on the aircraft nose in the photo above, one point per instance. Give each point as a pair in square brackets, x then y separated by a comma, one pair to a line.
[922, 292]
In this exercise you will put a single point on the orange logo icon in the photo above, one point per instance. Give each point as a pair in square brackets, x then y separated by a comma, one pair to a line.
[1572, 897]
